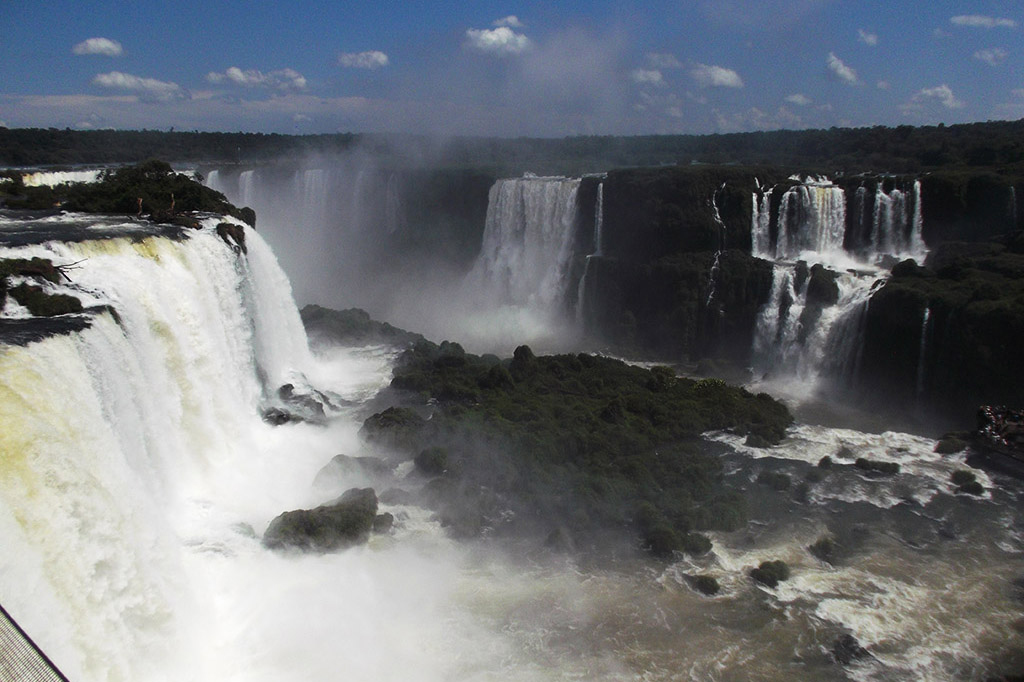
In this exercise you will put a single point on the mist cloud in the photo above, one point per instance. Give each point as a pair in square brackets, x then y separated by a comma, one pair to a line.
[284, 80]
[943, 94]
[512, 21]
[716, 76]
[501, 41]
[993, 56]
[647, 77]
[148, 88]
[100, 46]
[980, 21]
[870, 39]
[373, 59]
[841, 70]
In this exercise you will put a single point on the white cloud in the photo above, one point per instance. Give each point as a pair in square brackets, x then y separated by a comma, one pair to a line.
[992, 56]
[883, 85]
[841, 70]
[942, 94]
[502, 40]
[715, 76]
[663, 61]
[980, 21]
[284, 80]
[102, 46]
[867, 38]
[372, 59]
[799, 99]
[512, 21]
[148, 88]
[647, 77]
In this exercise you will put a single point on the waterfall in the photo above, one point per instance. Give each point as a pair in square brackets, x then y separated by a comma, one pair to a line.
[527, 243]
[54, 178]
[713, 274]
[761, 218]
[247, 188]
[598, 228]
[812, 227]
[921, 353]
[121, 441]
[812, 217]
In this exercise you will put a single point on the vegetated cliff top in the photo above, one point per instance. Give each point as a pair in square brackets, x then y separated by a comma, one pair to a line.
[903, 149]
[151, 187]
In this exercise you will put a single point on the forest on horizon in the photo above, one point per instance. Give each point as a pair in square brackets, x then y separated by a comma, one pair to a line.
[994, 145]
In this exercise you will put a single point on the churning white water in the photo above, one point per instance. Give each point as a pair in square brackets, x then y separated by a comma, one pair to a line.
[136, 476]
[791, 352]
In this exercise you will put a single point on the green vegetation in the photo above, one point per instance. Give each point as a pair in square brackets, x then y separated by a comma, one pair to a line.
[151, 187]
[825, 548]
[974, 294]
[902, 149]
[575, 441]
[352, 327]
[879, 468]
[705, 584]
[966, 482]
[770, 573]
[43, 304]
[38, 301]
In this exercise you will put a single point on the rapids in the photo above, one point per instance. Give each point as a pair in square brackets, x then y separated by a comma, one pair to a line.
[137, 475]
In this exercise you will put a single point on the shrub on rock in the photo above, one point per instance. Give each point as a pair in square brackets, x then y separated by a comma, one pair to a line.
[336, 525]
[770, 573]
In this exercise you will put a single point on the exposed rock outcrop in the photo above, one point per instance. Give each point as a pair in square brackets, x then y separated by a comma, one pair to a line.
[339, 524]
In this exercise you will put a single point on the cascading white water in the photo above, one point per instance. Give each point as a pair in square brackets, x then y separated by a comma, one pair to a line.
[527, 244]
[115, 438]
[761, 217]
[812, 227]
[598, 230]
[812, 217]
[921, 353]
[53, 178]
[713, 274]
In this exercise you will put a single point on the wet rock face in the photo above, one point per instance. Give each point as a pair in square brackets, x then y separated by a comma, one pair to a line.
[847, 649]
[334, 526]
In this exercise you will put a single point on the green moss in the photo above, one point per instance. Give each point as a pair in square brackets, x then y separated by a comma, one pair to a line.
[770, 573]
[705, 584]
[581, 437]
[880, 468]
[42, 304]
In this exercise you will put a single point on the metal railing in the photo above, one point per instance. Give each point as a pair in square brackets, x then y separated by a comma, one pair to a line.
[20, 659]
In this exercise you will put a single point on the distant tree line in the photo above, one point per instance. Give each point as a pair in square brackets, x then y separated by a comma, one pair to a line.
[997, 145]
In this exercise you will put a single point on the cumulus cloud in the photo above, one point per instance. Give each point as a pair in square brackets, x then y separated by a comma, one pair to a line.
[992, 56]
[981, 21]
[101, 46]
[501, 41]
[799, 99]
[372, 59]
[942, 94]
[647, 77]
[708, 75]
[663, 60]
[148, 88]
[870, 39]
[841, 70]
[283, 80]
[512, 21]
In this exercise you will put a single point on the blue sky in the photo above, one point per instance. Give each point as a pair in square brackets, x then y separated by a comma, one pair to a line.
[509, 68]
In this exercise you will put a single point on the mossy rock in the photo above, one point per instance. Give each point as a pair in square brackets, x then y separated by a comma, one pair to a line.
[396, 427]
[771, 573]
[336, 525]
[951, 443]
[775, 480]
[432, 461]
[705, 584]
[42, 304]
[825, 548]
[877, 468]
